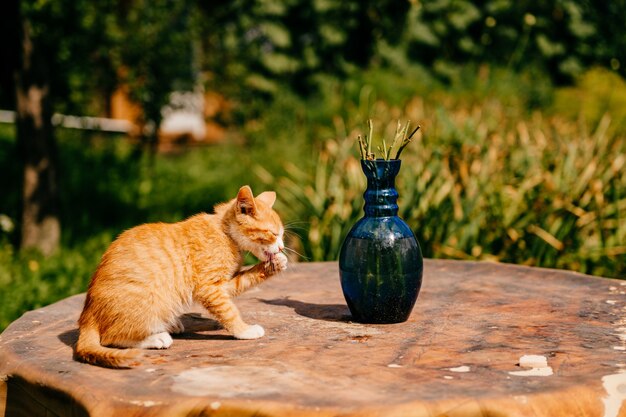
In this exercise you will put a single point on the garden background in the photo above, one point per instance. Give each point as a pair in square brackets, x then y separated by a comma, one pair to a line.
[521, 157]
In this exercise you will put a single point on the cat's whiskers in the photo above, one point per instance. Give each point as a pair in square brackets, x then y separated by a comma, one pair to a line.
[289, 224]
[295, 235]
[289, 227]
[296, 230]
[295, 252]
[289, 232]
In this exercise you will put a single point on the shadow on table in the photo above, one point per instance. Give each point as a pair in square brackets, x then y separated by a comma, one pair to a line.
[69, 337]
[193, 323]
[327, 312]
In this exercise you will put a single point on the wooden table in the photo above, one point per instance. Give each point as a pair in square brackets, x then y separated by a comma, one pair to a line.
[458, 354]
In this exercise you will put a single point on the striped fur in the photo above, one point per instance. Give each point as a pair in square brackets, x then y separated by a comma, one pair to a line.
[152, 273]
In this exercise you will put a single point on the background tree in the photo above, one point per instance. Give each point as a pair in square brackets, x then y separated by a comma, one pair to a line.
[40, 218]
[258, 47]
[56, 54]
[69, 56]
[560, 38]
[154, 56]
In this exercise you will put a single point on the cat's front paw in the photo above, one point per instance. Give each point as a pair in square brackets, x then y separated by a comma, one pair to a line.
[277, 263]
[251, 332]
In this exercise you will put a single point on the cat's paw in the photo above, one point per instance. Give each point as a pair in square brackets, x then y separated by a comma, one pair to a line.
[157, 341]
[251, 332]
[277, 263]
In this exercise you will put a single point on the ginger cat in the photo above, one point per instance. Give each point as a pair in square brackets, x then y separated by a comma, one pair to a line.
[152, 273]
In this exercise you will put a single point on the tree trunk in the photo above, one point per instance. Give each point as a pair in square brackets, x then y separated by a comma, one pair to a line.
[41, 228]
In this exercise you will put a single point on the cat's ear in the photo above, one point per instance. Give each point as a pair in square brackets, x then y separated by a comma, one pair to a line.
[245, 201]
[267, 197]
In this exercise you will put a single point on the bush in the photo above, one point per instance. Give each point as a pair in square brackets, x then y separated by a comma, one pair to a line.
[598, 93]
[482, 183]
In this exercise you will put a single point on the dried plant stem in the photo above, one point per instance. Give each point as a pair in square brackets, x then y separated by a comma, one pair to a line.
[406, 140]
[369, 138]
[400, 136]
[362, 147]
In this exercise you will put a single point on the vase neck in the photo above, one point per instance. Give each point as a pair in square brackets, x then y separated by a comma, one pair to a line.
[381, 195]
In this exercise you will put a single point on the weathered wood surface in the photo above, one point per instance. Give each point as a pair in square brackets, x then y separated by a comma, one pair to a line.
[474, 317]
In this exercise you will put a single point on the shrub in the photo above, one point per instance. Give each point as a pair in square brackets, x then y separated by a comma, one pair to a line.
[478, 185]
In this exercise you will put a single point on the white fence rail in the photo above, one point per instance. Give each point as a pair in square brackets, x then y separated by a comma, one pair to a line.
[79, 122]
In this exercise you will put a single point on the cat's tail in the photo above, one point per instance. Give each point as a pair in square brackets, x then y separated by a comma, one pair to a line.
[88, 349]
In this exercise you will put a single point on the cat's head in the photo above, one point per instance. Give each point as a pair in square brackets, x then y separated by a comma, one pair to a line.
[257, 228]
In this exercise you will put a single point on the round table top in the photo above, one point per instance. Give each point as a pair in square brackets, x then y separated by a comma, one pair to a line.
[462, 352]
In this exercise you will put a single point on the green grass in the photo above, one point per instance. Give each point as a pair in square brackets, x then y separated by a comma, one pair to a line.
[504, 169]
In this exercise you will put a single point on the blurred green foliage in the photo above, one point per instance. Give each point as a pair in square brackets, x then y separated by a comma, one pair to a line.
[561, 37]
[264, 44]
[153, 46]
[92, 48]
[250, 48]
[268, 44]
[596, 94]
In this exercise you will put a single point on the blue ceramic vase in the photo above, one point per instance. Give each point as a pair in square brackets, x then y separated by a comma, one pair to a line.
[380, 262]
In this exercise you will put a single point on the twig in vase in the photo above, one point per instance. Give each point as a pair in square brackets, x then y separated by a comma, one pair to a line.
[406, 140]
[401, 135]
